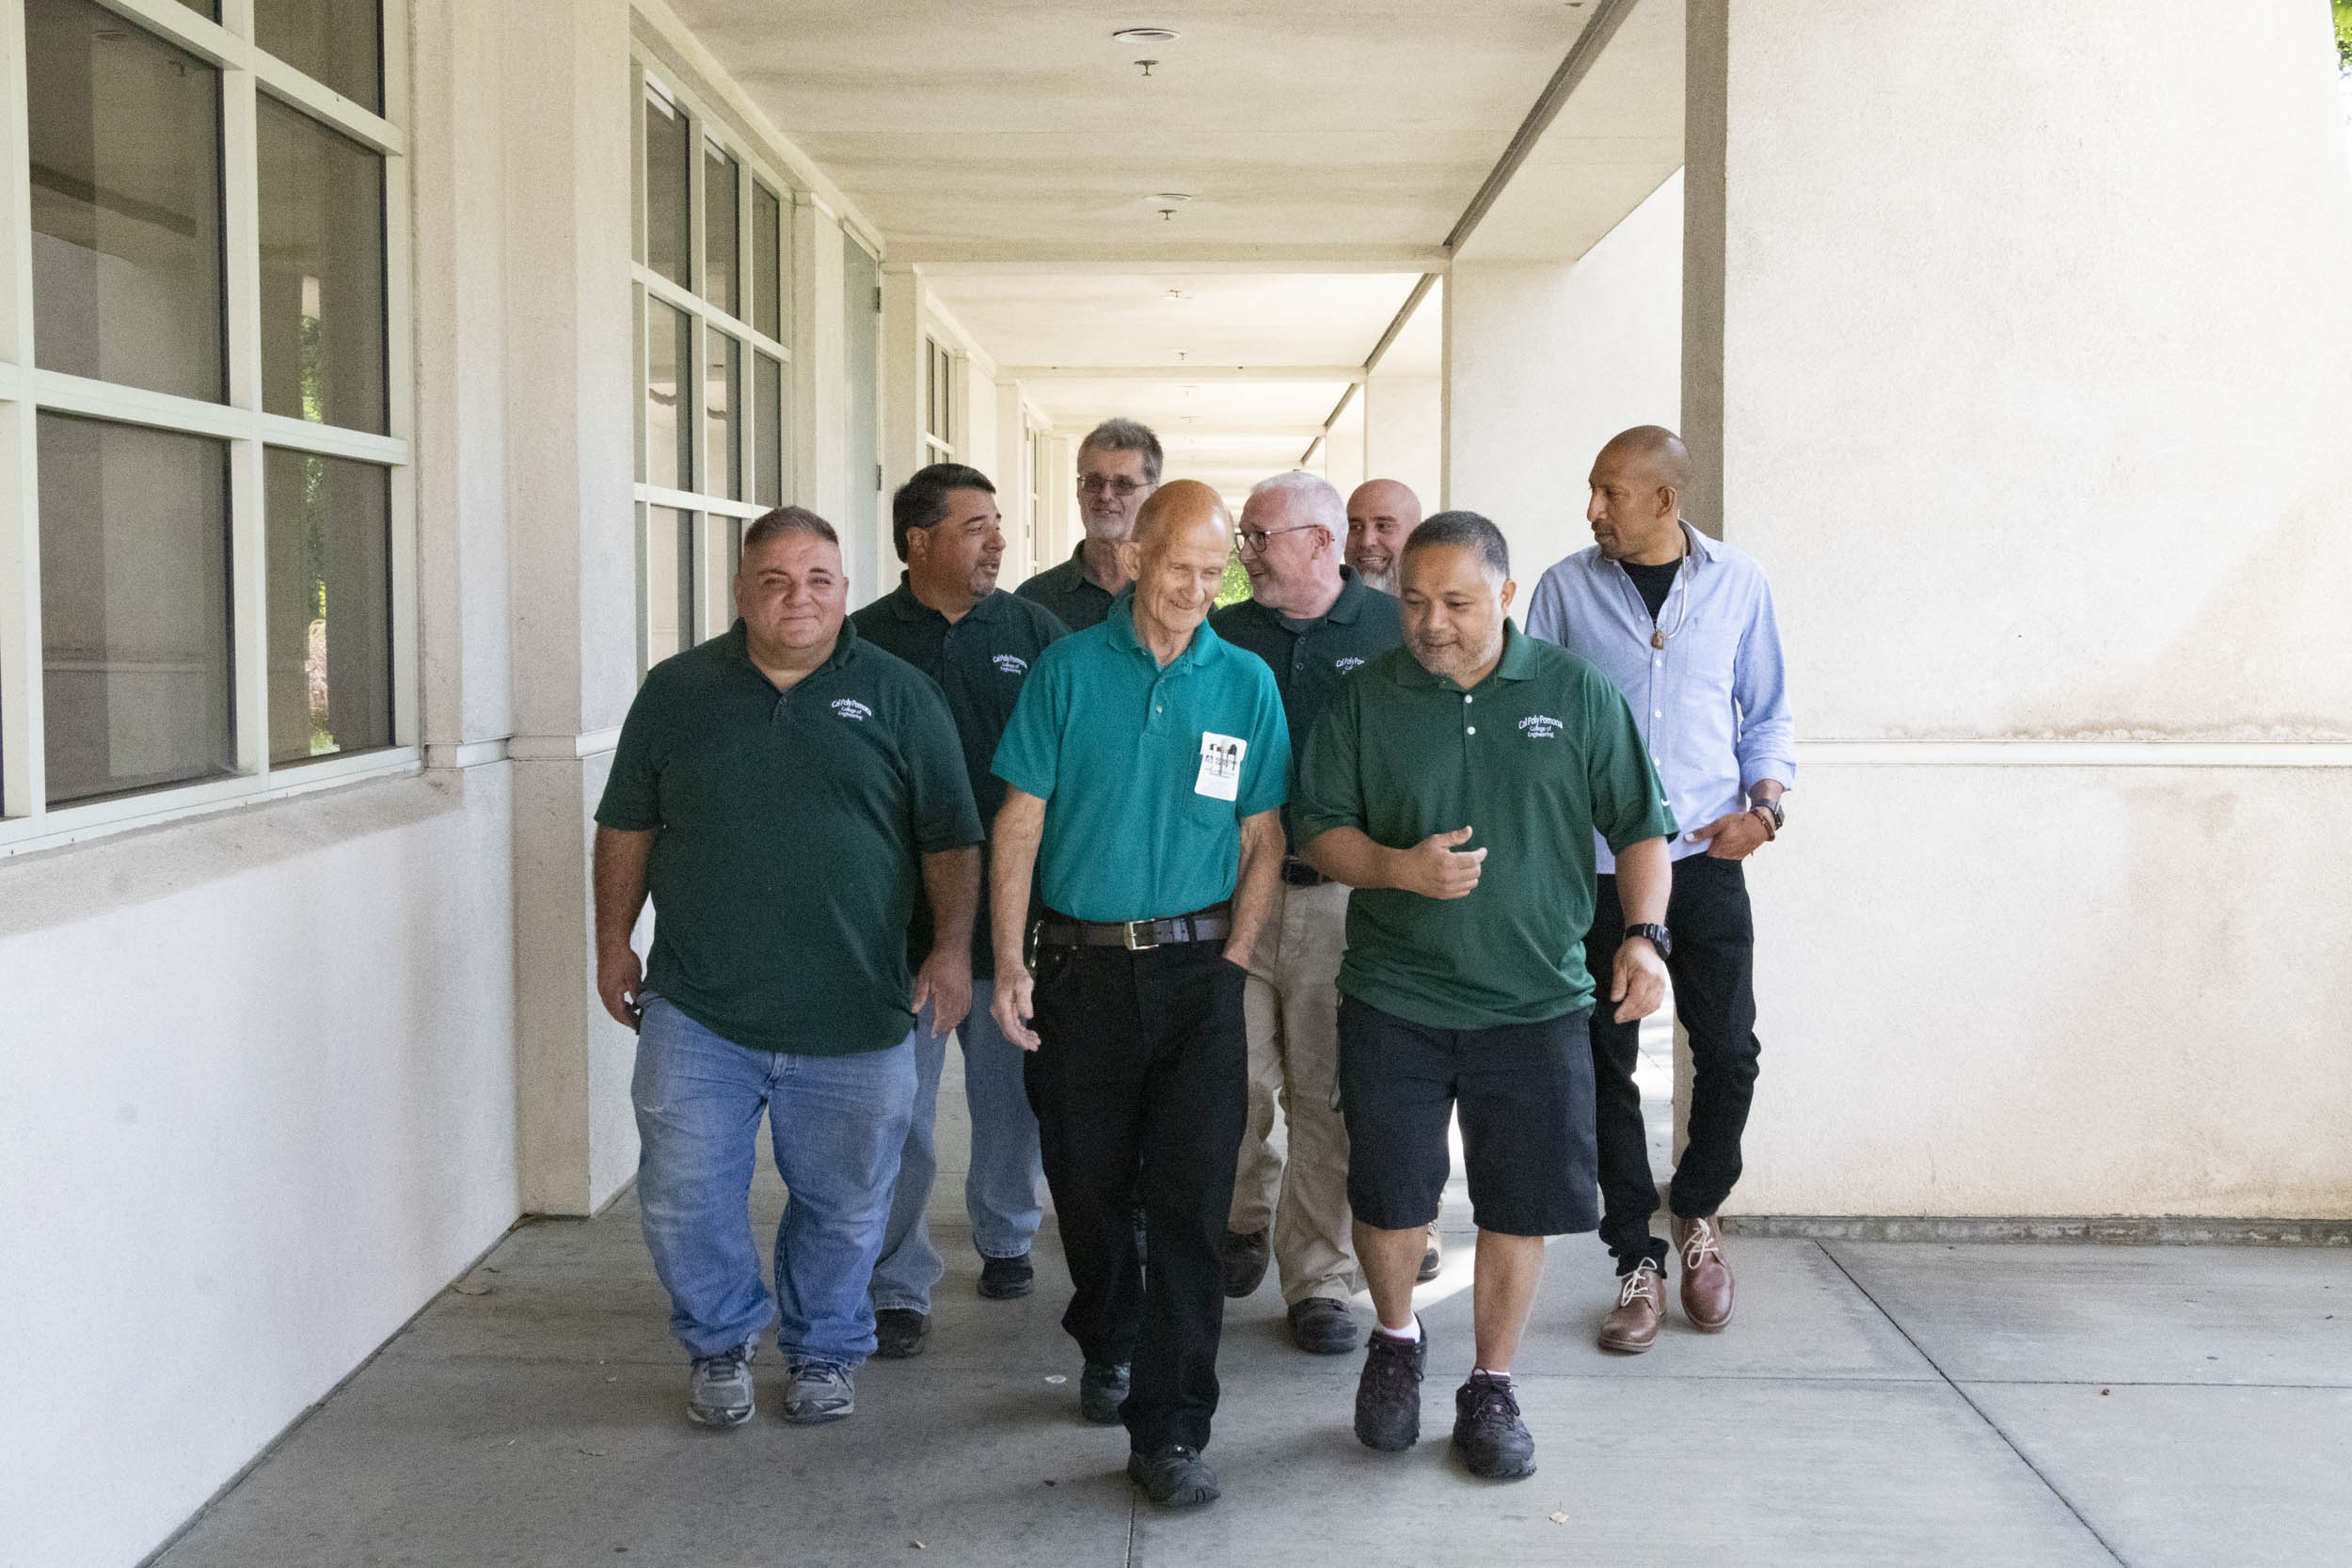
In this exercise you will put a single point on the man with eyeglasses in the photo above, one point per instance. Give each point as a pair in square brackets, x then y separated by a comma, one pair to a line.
[1683, 625]
[1119, 467]
[1314, 623]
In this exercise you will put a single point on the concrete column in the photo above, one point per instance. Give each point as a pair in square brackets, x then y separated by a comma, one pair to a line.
[902, 374]
[1545, 360]
[569, 423]
[820, 415]
[1405, 433]
[1008, 463]
[2019, 353]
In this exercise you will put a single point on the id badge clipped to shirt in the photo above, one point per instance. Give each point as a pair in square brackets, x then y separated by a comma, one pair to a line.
[1220, 766]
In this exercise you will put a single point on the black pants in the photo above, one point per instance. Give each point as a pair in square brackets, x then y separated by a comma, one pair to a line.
[1713, 970]
[1141, 1090]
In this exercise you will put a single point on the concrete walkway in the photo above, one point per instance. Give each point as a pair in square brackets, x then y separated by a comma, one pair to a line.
[1872, 1404]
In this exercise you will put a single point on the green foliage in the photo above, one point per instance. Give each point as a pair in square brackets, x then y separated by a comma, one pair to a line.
[1235, 587]
[2344, 36]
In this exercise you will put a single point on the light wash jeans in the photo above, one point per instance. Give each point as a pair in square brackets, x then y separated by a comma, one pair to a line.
[1000, 1189]
[838, 1124]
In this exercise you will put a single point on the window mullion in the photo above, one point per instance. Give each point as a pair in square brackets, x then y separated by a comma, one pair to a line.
[241, 236]
[22, 785]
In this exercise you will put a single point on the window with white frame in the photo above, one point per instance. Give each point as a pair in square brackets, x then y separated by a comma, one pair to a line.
[713, 240]
[939, 403]
[206, 570]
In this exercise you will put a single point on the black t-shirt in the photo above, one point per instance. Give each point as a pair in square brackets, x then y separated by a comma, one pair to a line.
[1655, 582]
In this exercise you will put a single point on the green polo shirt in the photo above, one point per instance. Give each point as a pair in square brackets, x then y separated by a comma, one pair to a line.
[792, 823]
[980, 663]
[1145, 773]
[1533, 758]
[1076, 601]
[1309, 658]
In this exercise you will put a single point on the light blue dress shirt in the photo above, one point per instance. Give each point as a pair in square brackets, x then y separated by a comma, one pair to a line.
[1713, 703]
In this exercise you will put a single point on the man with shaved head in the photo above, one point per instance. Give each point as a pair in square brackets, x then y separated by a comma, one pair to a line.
[1683, 624]
[1145, 767]
[1380, 512]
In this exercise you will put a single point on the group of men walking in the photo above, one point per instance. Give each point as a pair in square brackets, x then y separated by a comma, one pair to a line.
[1358, 852]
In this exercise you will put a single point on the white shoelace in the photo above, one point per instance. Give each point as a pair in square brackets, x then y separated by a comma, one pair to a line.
[1702, 1245]
[1632, 1286]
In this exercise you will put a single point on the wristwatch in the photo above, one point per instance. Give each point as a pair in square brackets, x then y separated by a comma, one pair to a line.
[1657, 938]
[1770, 809]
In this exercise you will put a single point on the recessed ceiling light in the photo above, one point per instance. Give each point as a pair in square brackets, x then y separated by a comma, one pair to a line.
[1146, 35]
[1168, 198]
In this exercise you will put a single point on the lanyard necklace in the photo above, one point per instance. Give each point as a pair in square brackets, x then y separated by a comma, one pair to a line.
[1658, 639]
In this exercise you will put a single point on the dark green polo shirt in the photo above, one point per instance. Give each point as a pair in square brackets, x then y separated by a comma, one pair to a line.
[979, 663]
[1533, 758]
[791, 825]
[1065, 590]
[1145, 773]
[1309, 658]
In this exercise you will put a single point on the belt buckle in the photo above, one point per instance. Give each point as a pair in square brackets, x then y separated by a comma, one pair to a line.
[1134, 946]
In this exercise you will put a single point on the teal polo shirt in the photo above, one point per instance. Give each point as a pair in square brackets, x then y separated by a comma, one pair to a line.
[1308, 658]
[980, 662]
[1146, 772]
[791, 825]
[1533, 759]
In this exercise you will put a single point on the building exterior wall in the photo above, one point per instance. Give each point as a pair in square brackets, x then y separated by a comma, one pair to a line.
[2044, 452]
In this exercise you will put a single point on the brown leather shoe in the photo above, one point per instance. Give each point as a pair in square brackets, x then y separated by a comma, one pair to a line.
[1706, 1277]
[1631, 1325]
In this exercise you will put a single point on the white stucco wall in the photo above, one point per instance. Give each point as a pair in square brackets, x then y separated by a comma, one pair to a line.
[2030, 383]
[1545, 361]
[257, 1105]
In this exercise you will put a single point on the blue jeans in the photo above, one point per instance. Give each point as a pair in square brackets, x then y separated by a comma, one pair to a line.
[838, 1123]
[1000, 1189]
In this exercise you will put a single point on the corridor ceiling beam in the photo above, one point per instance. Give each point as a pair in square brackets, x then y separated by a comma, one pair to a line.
[1180, 372]
[935, 260]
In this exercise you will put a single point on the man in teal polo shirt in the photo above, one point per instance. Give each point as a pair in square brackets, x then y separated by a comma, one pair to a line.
[1457, 785]
[950, 620]
[1314, 623]
[1144, 767]
[779, 790]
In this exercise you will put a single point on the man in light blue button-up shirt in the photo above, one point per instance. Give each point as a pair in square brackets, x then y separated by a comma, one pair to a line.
[1683, 625]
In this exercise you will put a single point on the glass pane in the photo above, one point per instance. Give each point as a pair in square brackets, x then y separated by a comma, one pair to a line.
[338, 42]
[327, 523]
[205, 8]
[125, 133]
[721, 398]
[134, 611]
[723, 193]
[669, 397]
[768, 425]
[668, 583]
[766, 261]
[322, 272]
[669, 160]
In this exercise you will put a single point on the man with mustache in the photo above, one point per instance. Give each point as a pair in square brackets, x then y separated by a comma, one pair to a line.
[950, 620]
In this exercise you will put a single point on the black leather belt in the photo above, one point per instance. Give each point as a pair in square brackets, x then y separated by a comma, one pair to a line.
[1300, 873]
[1136, 936]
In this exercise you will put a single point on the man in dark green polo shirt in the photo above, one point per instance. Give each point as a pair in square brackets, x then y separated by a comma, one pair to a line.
[780, 791]
[1456, 784]
[950, 620]
[1118, 466]
[1316, 624]
[1144, 769]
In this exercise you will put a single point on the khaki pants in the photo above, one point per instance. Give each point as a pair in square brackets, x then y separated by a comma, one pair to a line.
[1291, 1003]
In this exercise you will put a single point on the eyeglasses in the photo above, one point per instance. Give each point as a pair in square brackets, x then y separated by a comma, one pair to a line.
[1096, 485]
[1253, 539]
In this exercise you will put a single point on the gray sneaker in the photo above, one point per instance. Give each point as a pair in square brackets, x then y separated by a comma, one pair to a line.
[720, 1393]
[819, 1391]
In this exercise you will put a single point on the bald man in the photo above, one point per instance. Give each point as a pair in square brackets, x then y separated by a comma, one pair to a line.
[1683, 624]
[1145, 768]
[1380, 512]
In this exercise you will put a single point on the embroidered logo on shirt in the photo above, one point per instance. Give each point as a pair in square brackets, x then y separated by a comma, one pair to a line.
[849, 707]
[1344, 665]
[1011, 664]
[1540, 726]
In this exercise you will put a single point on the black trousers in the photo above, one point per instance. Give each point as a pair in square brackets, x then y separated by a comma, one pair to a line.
[1713, 970]
[1141, 1090]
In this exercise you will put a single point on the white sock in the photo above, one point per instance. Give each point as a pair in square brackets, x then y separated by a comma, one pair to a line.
[1412, 1331]
[1498, 1377]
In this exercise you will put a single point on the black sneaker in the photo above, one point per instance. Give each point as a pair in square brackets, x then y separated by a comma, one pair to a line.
[1173, 1476]
[1321, 1326]
[1102, 1389]
[900, 1332]
[1246, 1254]
[1004, 1278]
[1495, 1442]
[1388, 1393]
